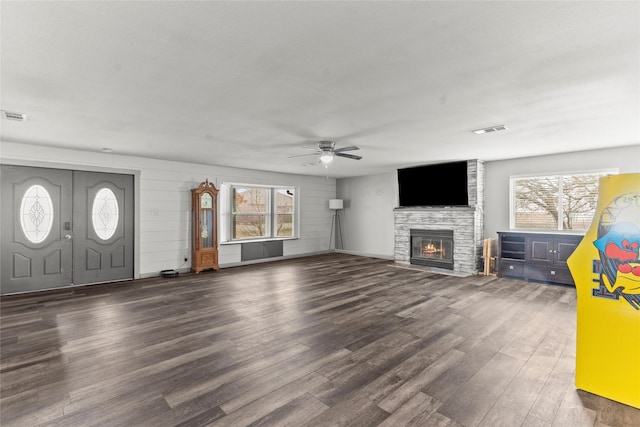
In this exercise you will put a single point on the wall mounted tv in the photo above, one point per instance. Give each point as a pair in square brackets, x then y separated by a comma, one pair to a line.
[440, 184]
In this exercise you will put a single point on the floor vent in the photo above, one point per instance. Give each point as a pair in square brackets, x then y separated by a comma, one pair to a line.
[260, 250]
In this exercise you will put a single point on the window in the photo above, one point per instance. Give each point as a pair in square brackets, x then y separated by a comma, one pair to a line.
[554, 202]
[284, 212]
[258, 212]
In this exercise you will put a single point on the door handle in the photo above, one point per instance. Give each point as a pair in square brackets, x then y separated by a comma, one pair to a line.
[67, 236]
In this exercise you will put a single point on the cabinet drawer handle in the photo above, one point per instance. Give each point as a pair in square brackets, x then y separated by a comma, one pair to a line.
[511, 267]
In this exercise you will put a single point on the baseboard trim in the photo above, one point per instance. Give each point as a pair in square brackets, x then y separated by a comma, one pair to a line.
[446, 272]
[344, 251]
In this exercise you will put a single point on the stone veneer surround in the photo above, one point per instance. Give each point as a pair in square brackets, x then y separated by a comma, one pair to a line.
[466, 223]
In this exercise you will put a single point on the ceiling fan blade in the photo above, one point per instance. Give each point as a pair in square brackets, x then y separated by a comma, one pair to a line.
[350, 148]
[302, 155]
[312, 163]
[348, 156]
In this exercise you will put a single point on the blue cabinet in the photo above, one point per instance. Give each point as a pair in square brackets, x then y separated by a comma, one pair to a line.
[536, 256]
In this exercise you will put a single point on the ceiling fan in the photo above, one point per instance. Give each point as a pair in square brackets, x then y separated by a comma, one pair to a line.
[327, 151]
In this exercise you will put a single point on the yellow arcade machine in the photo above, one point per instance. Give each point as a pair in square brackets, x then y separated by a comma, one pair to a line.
[606, 270]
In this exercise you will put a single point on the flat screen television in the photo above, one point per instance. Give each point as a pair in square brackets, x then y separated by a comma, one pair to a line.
[440, 184]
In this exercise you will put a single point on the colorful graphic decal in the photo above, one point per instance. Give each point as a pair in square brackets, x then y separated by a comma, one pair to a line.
[618, 245]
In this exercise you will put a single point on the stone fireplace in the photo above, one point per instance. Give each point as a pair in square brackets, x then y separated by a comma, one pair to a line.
[463, 224]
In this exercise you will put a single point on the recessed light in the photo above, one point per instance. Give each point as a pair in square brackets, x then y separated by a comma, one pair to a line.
[107, 150]
[489, 129]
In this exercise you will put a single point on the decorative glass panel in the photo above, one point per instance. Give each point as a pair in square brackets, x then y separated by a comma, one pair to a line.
[206, 228]
[36, 213]
[105, 213]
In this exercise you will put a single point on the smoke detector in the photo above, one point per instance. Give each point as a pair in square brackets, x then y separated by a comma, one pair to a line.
[11, 115]
[489, 129]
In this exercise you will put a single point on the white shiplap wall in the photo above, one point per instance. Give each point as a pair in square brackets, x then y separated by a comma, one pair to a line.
[163, 201]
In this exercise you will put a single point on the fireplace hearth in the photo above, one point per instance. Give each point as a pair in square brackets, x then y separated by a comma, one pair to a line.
[432, 248]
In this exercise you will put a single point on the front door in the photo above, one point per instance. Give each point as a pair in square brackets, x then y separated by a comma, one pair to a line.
[36, 229]
[103, 227]
[61, 228]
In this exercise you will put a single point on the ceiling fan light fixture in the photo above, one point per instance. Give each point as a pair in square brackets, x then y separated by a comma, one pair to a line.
[327, 151]
[326, 157]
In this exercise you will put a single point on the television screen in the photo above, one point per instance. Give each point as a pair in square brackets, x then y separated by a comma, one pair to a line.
[442, 184]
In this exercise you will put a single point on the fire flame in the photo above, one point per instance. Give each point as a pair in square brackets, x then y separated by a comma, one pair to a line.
[431, 249]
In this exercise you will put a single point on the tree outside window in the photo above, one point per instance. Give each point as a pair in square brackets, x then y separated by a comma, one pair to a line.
[262, 212]
[556, 202]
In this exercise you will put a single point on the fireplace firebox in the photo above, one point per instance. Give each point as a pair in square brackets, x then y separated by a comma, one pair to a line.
[432, 248]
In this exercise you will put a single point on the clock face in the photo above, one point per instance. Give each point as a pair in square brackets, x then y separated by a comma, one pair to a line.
[205, 201]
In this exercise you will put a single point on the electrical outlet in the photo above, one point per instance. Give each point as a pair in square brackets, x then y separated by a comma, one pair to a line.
[186, 259]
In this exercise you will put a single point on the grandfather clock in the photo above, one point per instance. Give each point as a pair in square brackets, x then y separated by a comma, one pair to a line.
[204, 245]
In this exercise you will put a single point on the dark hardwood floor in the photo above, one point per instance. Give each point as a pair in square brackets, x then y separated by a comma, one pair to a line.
[328, 340]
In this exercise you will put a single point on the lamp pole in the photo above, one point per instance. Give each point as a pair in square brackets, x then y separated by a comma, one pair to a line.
[335, 205]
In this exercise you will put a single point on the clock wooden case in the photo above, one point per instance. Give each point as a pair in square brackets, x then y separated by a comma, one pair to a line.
[204, 245]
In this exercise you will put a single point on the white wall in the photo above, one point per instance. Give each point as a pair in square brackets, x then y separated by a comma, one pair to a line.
[497, 173]
[370, 200]
[163, 201]
[368, 225]
[367, 220]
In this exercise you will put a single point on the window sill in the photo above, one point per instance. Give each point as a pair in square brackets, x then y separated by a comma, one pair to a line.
[268, 239]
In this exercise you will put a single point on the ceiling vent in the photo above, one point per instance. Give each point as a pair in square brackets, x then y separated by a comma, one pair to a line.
[489, 129]
[11, 115]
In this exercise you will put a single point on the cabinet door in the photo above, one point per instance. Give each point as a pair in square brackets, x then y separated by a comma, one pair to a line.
[540, 250]
[563, 250]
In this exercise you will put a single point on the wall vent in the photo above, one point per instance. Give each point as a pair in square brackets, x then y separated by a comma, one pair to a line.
[11, 115]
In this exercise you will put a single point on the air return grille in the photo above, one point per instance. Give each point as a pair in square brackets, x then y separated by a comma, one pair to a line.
[10, 115]
[489, 129]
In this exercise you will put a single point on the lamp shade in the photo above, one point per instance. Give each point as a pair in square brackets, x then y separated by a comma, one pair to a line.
[335, 203]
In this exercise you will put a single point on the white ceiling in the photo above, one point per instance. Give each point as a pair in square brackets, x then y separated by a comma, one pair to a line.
[246, 84]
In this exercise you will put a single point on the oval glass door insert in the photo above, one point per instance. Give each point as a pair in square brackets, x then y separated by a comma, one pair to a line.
[105, 213]
[36, 213]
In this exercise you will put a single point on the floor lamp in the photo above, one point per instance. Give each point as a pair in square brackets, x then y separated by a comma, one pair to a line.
[335, 205]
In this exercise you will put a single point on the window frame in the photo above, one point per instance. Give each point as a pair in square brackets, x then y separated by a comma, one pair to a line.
[271, 214]
[559, 225]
